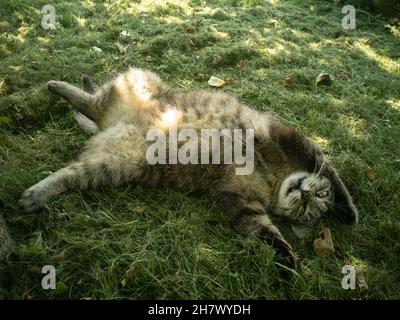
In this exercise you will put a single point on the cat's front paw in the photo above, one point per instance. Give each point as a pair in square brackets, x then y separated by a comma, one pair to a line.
[286, 256]
[32, 200]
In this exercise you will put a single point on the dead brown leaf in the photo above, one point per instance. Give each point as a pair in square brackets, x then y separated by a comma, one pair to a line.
[3, 88]
[4, 85]
[217, 59]
[121, 48]
[241, 64]
[288, 82]
[230, 81]
[201, 77]
[323, 246]
[370, 174]
[361, 282]
[188, 30]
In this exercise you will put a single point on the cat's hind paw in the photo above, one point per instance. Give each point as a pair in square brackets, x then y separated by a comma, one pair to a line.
[52, 85]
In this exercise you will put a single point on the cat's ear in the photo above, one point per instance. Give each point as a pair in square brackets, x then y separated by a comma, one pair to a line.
[88, 84]
[301, 150]
[343, 204]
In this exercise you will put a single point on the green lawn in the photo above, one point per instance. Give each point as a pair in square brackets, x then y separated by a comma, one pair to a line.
[139, 243]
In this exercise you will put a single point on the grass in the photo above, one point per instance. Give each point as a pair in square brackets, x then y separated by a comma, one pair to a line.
[139, 243]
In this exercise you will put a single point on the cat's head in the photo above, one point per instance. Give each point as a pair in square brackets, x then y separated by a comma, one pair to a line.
[305, 197]
[304, 153]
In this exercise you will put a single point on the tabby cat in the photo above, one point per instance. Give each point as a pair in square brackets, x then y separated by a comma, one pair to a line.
[291, 178]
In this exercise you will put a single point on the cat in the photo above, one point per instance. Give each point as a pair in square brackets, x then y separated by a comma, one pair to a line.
[291, 179]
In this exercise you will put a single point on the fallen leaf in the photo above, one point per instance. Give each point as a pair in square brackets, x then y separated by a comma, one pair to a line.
[217, 59]
[61, 256]
[97, 50]
[323, 247]
[273, 22]
[201, 77]
[230, 81]
[216, 82]
[4, 85]
[361, 282]
[241, 64]
[188, 30]
[124, 34]
[323, 79]
[121, 48]
[370, 174]
[288, 82]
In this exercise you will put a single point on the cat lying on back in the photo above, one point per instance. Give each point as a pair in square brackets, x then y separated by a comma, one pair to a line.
[291, 177]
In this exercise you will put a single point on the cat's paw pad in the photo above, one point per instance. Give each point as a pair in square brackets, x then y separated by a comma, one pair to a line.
[31, 201]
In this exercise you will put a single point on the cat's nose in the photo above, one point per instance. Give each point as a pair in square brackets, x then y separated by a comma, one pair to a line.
[305, 194]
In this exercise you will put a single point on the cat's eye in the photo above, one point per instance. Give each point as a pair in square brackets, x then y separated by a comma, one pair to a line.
[323, 194]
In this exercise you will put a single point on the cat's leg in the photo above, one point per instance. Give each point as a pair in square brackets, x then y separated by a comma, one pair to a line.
[84, 102]
[250, 218]
[252, 223]
[78, 175]
[84, 122]
[110, 159]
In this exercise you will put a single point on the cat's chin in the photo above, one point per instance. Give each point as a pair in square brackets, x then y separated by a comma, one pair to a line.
[288, 218]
